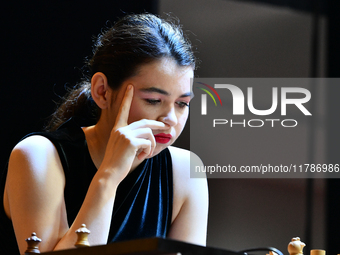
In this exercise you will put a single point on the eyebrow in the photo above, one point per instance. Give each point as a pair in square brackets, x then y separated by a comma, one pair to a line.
[163, 92]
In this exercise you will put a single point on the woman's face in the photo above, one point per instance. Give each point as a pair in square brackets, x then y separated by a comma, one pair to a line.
[162, 92]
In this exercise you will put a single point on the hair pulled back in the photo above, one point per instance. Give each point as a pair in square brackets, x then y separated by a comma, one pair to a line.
[118, 53]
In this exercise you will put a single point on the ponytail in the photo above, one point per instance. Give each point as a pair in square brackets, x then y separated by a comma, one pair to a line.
[77, 102]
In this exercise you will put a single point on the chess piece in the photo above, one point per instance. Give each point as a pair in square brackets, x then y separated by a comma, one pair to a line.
[82, 234]
[295, 247]
[317, 252]
[32, 244]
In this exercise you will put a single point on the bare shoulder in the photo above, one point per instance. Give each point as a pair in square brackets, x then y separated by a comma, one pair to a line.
[183, 160]
[32, 143]
[34, 162]
[35, 153]
[35, 185]
[185, 186]
[190, 197]
[36, 157]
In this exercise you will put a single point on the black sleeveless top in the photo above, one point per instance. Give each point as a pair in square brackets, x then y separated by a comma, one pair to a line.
[143, 203]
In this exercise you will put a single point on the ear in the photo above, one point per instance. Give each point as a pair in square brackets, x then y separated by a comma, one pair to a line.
[100, 90]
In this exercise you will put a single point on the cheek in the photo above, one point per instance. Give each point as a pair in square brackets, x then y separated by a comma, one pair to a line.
[182, 121]
[183, 118]
[137, 112]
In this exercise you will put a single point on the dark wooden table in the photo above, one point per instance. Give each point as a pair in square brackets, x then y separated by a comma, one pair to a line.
[145, 246]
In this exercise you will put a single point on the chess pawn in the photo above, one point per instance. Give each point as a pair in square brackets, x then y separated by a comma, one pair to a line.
[82, 234]
[32, 244]
[295, 247]
[317, 252]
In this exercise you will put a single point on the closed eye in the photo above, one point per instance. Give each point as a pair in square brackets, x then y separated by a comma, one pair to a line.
[153, 101]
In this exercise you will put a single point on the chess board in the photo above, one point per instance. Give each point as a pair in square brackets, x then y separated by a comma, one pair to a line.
[146, 246]
[155, 246]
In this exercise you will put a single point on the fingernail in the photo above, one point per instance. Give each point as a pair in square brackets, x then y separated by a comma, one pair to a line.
[129, 87]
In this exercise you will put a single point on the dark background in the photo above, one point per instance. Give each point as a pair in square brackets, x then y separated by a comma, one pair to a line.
[44, 44]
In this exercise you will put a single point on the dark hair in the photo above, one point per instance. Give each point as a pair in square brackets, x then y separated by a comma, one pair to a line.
[118, 53]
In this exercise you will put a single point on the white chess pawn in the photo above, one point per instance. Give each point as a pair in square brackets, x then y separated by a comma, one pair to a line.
[82, 234]
[295, 247]
[317, 252]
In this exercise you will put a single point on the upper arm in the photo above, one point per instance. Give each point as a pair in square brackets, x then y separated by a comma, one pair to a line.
[35, 192]
[190, 200]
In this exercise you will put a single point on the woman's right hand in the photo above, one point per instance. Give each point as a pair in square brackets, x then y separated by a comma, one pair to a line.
[128, 142]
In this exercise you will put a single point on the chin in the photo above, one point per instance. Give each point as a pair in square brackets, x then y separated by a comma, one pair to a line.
[158, 149]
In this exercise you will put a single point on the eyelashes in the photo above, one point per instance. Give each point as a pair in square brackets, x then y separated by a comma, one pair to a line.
[153, 101]
[180, 104]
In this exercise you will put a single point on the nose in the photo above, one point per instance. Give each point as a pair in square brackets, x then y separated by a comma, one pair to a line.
[169, 117]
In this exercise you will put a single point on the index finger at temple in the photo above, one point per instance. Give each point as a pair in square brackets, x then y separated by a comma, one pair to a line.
[124, 109]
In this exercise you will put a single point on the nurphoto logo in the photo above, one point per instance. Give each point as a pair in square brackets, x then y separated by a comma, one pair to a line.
[295, 96]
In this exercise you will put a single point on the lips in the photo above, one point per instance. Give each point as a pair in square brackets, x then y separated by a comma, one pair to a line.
[163, 138]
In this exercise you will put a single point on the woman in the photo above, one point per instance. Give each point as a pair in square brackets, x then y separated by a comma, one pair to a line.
[120, 176]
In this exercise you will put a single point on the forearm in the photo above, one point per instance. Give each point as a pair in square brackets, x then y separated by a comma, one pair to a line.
[96, 213]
